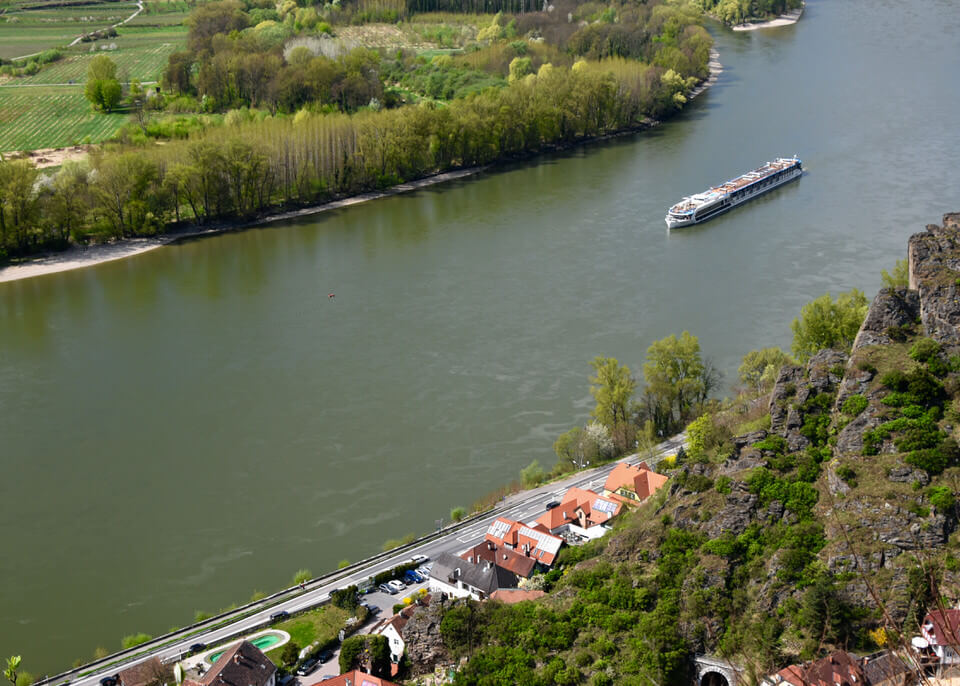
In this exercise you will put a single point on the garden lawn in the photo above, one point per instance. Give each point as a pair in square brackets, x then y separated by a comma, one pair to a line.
[322, 624]
[51, 117]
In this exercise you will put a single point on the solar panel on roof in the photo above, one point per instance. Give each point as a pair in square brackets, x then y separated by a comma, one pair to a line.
[605, 506]
[498, 529]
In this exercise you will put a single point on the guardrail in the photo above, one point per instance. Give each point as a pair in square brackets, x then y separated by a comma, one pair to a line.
[144, 649]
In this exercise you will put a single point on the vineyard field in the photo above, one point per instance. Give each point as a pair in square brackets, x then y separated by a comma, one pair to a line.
[52, 117]
[143, 63]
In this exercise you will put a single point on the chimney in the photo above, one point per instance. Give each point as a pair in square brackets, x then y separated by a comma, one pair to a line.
[237, 658]
[490, 545]
[456, 573]
[470, 559]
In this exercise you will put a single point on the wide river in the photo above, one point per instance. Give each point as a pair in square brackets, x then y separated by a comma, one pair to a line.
[182, 428]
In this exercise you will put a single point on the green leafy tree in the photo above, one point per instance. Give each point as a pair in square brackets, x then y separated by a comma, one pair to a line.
[678, 381]
[13, 664]
[350, 651]
[612, 387]
[532, 475]
[290, 654]
[520, 67]
[102, 88]
[759, 368]
[458, 513]
[827, 323]
[899, 278]
[302, 576]
[379, 651]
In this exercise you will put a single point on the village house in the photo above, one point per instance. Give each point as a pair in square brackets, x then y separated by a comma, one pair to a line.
[150, 672]
[357, 678]
[632, 484]
[240, 665]
[941, 629]
[458, 578]
[837, 669]
[391, 628]
[581, 512]
[535, 542]
[509, 559]
[888, 669]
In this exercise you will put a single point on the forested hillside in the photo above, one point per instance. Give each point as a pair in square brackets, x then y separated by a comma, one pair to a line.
[740, 11]
[305, 117]
[831, 523]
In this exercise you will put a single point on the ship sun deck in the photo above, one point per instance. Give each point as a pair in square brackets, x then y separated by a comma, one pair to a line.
[691, 203]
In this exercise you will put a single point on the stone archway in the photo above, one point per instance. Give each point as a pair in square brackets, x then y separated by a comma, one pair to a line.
[713, 678]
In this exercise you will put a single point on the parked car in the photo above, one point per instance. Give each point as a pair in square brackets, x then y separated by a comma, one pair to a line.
[324, 656]
[110, 680]
[372, 609]
[424, 571]
[197, 647]
[279, 616]
[396, 585]
[552, 504]
[387, 588]
[307, 667]
[411, 577]
[288, 680]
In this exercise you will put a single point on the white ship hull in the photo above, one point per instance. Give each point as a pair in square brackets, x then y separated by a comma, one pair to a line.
[705, 206]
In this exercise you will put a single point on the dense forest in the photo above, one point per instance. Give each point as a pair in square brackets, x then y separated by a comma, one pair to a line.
[302, 121]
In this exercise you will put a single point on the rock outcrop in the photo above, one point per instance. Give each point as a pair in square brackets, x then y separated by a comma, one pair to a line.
[934, 263]
[421, 634]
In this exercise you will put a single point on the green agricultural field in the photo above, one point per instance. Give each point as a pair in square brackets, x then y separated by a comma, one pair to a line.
[50, 117]
[142, 62]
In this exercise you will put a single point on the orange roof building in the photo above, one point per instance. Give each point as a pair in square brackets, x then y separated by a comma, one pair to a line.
[633, 484]
[357, 678]
[581, 508]
[511, 596]
[536, 542]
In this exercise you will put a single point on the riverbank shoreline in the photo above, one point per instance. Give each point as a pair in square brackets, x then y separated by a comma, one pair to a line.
[785, 19]
[80, 257]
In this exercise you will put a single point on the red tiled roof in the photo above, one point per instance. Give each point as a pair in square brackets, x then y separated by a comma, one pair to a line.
[241, 664]
[518, 595]
[837, 669]
[565, 513]
[142, 673]
[521, 565]
[358, 678]
[640, 479]
[942, 627]
[536, 542]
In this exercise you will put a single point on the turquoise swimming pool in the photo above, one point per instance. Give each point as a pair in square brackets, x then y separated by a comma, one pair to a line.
[264, 642]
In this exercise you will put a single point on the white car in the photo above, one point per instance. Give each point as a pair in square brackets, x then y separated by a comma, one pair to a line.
[419, 559]
[396, 585]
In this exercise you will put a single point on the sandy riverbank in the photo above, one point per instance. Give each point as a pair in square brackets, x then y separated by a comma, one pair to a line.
[784, 19]
[78, 257]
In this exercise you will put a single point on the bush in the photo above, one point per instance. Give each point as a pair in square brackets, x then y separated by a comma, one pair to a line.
[722, 484]
[134, 640]
[854, 405]
[532, 475]
[458, 513]
[924, 349]
[345, 598]
[942, 498]
[846, 473]
[350, 651]
[302, 576]
[290, 654]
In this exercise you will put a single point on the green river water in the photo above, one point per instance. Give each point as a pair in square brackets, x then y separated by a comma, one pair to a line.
[184, 427]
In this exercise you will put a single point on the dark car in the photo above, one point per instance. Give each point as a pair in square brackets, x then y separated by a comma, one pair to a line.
[372, 609]
[197, 647]
[279, 616]
[552, 504]
[110, 680]
[288, 680]
[411, 577]
[307, 667]
[324, 656]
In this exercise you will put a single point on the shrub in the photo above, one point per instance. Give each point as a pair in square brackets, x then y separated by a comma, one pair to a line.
[532, 475]
[942, 498]
[458, 513]
[302, 576]
[846, 473]
[854, 405]
[134, 640]
[345, 598]
[924, 349]
[722, 484]
[290, 654]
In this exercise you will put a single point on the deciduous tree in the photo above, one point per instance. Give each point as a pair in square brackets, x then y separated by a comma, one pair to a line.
[827, 323]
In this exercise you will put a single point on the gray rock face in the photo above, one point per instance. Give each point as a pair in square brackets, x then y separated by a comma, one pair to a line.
[795, 385]
[898, 527]
[850, 438]
[891, 308]
[934, 260]
[736, 515]
[908, 475]
[421, 634]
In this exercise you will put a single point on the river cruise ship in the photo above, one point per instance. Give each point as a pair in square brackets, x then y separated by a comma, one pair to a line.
[717, 200]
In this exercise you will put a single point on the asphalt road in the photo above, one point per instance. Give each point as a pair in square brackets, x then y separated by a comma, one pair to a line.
[523, 506]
